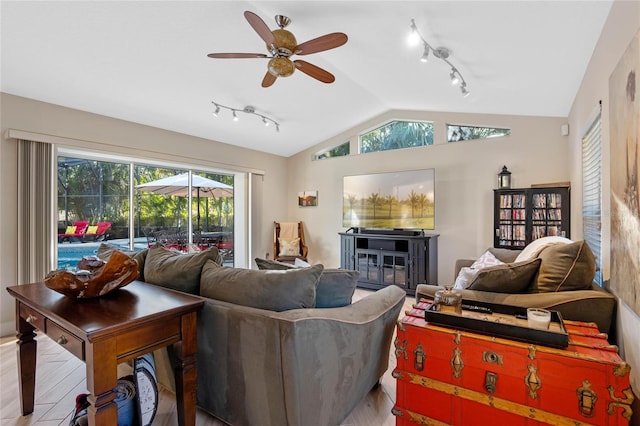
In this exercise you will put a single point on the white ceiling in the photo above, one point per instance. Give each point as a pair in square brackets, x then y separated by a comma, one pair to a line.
[146, 62]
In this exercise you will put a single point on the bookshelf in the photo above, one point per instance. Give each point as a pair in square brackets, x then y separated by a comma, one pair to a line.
[524, 215]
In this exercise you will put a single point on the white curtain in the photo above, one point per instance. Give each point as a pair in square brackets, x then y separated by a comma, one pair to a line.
[34, 210]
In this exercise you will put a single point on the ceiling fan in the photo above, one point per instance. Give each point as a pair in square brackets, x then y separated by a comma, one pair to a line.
[282, 44]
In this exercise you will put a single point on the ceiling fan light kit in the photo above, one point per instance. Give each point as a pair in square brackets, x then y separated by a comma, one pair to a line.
[441, 53]
[267, 121]
[282, 44]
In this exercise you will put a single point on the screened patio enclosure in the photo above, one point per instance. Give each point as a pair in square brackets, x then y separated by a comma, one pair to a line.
[96, 191]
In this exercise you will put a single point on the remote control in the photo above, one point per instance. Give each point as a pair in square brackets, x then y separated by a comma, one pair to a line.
[475, 308]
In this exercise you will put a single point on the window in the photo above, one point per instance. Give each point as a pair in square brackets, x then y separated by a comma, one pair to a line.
[456, 133]
[592, 192]
[95, 205]
[337, 151]
[397, 135]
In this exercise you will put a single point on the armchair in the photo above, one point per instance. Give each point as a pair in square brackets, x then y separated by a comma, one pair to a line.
[288, 242]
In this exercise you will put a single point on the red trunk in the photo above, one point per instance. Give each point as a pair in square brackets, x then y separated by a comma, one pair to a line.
[445, 376]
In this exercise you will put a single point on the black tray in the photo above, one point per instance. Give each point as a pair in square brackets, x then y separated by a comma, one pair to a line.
[556, 336]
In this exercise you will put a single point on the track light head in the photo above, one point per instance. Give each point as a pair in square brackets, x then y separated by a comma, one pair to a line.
[425, 54]
[454, 77]
[414, 36]
[463, 89]
[217, 111]
[235, 116]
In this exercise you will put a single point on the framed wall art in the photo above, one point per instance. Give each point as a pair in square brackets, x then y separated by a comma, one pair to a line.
[308, 199]
[624, 117]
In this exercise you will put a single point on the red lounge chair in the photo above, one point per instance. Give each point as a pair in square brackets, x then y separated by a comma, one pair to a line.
[75, 231]
[97, 232]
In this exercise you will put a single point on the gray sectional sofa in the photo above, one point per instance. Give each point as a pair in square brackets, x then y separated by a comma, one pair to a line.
[267, 353]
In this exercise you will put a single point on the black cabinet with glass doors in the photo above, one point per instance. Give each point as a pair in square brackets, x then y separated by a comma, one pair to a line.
[404, 258]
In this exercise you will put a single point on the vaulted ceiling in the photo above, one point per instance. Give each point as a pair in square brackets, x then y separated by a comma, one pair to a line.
[146, 62]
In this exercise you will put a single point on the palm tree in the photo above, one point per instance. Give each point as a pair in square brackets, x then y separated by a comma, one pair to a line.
[413, 200]
[389, 199]
[374, 199]
[422, 199]
[397, 134]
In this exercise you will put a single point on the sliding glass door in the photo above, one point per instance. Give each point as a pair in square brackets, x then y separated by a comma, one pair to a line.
[183, 209]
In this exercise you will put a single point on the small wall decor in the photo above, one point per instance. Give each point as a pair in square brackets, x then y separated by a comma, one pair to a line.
[624, 118]
[308, 199]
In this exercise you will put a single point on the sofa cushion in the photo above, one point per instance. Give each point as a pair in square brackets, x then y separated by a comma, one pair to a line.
[468, 274]
[274, 290]
[105, 250]
[335, 288]
[565, 267]
[178, 271]
[269, 264]
[506, 278]
[533, 249]
[289, 247]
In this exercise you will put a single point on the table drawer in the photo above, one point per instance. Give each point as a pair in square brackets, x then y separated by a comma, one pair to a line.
[32, 317]
[65, 339]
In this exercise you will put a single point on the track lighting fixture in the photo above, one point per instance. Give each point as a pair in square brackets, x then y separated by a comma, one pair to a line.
[439, 52]
[247, 110]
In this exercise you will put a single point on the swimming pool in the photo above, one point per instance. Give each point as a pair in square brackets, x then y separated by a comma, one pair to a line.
[69, 254]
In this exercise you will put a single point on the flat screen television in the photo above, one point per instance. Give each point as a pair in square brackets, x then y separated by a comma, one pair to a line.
[391, 200]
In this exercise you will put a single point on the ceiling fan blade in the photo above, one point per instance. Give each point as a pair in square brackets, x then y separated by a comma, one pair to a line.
[236, 55]
[314, 71]
[268, 79]
[261, 28]
[325, 42]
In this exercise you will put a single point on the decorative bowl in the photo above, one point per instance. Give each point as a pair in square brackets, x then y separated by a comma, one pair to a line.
[94, 277]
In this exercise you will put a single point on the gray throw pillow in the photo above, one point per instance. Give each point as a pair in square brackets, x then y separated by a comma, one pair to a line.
[565, 267]
[268, 264]
[105, 250]
[271, 290]
[506, 278]
[336, 286]
[178, 271]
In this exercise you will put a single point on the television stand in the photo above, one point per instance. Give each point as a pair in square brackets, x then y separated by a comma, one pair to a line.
[404, 258]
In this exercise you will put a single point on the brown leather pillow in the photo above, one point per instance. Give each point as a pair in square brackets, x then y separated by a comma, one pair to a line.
[506, 278]
[565, 267]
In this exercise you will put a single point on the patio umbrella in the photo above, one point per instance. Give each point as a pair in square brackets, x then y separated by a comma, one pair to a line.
[178, 185]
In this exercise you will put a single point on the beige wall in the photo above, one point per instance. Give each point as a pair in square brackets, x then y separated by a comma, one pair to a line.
[103, 134]
[466, 174]
[622, 25]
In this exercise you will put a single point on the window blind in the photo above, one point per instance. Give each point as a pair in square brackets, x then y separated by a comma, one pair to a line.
[592, 192]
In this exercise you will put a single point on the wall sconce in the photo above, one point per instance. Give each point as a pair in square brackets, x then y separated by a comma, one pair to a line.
[504, 178]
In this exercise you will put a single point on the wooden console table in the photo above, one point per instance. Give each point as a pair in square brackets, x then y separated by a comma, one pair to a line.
[106, 331]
